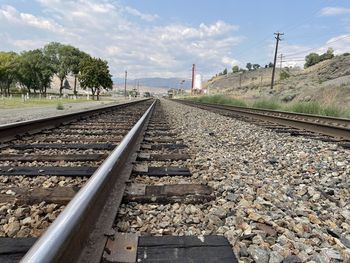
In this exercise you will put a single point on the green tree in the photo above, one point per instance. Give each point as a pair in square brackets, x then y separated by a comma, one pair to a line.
[224, 72]
[328, 55]
[63, 58]
[35, 71]
[8, 71]
[311, 59]
[235, 69]
[94, 74]
[249, 66]
[77, 57]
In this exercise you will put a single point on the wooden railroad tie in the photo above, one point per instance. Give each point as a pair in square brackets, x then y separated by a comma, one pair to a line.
[82, 146]
[162, 157]
[129, 247]
[126, 247]
[164, 194]
[52, 158]
[47, 170]
[161, 171]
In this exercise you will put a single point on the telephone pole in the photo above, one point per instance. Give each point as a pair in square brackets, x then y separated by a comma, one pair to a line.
[278, 34]
[281, 58]
[126, 76]
[193, 72]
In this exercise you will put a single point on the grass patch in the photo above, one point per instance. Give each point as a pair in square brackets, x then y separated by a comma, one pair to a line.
[10, 103]
[335, 111]
[267, 104]
[305, 107]
[311, 107]
[317, 109]
[220, 99]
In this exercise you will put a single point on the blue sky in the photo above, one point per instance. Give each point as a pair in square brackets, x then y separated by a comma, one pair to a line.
[154, 38]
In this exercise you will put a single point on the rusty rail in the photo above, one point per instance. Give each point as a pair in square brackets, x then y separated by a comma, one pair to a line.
[334, 127]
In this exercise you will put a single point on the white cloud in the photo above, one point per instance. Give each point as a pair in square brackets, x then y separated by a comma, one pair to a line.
[135, 12]
[335, 10]
[11, 15]
[107, 29]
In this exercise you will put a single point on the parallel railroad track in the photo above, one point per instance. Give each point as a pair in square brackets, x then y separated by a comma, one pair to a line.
[318, 127]
[87, 229]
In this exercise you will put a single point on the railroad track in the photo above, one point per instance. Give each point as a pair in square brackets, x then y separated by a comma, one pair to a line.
[318, 127]
[87, 229]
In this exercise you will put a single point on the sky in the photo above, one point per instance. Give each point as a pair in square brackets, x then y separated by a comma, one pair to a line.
[158, 38]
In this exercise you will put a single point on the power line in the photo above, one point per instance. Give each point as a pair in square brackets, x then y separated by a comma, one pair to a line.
[126, 76]
[315, 48]
[284, 28]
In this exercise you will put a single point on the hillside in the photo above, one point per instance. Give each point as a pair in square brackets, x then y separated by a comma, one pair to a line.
[165, 83]
[326, 82]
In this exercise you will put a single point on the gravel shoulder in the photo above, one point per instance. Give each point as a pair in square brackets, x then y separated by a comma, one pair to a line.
[23, 114]
[278, 198]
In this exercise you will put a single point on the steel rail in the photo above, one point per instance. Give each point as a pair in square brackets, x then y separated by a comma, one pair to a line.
[322, 126]
[317, 118]
[65, 239]
[11, 130]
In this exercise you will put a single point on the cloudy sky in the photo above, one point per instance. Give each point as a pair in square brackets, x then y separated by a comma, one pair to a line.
[158, 38]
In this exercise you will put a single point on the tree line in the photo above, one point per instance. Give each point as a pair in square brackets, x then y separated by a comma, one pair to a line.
[249, 67]
[314, 58]
[33, 70]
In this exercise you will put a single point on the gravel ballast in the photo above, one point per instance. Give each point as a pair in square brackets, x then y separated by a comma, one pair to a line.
[278, 198]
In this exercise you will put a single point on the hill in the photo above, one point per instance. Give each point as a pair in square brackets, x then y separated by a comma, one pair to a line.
[326, 82]
[165, 83]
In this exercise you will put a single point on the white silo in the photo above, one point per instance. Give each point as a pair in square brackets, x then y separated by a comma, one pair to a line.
[198, 82]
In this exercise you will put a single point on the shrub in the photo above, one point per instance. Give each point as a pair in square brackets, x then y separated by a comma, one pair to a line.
[284, 75]
[60, 106]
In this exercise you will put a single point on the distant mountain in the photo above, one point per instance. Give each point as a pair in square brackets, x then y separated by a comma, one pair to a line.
[166, 83]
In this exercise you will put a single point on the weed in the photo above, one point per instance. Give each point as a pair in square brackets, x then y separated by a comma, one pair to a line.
[305, 107]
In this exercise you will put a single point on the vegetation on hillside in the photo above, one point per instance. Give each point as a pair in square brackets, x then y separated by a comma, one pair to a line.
[33, 70]
[299, 107]
[314, 58]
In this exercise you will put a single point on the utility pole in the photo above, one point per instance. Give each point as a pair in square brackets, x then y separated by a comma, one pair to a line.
[278, 34]
[281, 60]
[240, 79]
[126, 76]
[193, 71]
[138, 88]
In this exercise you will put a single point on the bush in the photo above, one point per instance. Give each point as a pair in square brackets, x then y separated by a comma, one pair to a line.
[284, 75]
[314, 58]
[60, 106]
